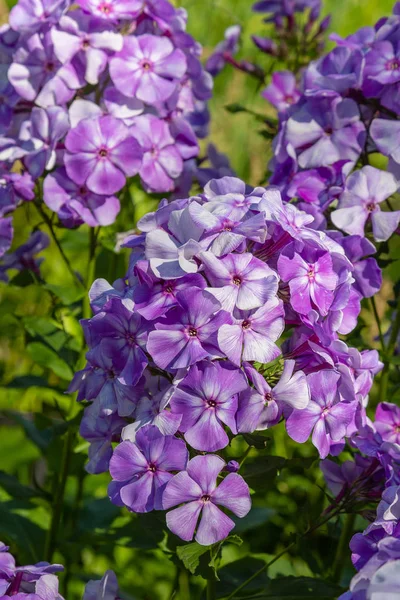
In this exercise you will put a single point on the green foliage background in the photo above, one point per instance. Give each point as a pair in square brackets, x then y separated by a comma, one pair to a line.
[41, 343]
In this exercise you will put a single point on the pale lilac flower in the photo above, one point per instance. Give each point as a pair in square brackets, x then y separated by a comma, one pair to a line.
[8, 99]
[197, 488]
[6, 235]
[227, 48]
[148, 68]
[385, 133]
[141, 469]
[310, 282]
[101, 153]
[326, 415]
[383, 63]
[14, 187]
[100, 431]
[188, 333]
[387, 422]
[104, 589]
[207, 399]
[28, 16]
[367, 274]
[23, 257]
[252, 336]
[339, 70]
[365, 190]
[282, 92]
[239, 280]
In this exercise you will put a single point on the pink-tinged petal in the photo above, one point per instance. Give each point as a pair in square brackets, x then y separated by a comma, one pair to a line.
[139, 495]
[46, 588]
[154, 175]
[107, 40]
[66, 45]
[171, 161]
[324, 273]
[338, 418]
[321, 297]
[85, 137]
[384, 224]
[251, 406]
[293, 390]
[226, 295]
[190, 407]
[165, 345]
[289, 268]
[351, 220]
[153, 89]
[96, 62]
[207, 434]
[230, 341]
[214, 525]
[79, 166]
[191, 353]
[154, 47]
[300, 295]
[106, 178]
[181, 488]
[182, 521]
[127, 156]
[258, 347]
[174, 456]
[172, 66]
[161, 479]
[126, 461]
[320, 439]
[204, 470]
[125, 76]
[254, 294]
[233, 493]
[301, 422]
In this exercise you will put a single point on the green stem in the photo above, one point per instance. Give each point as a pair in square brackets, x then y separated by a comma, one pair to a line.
[378, 323]
[211, 589]
[346, 533]
[388, 355]
[51, 538]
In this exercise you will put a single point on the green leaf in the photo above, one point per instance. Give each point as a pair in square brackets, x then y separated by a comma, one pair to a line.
[16, 489]
[257, 517]
[300, 588]
[26, 535]
[47, 358]
[257, 441]
[235, 573]
[190, 555]
[67, 294]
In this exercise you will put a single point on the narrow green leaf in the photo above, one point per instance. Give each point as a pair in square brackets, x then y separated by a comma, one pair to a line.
[47, 358]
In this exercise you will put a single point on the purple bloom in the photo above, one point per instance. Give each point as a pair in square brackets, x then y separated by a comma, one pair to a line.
[82, 38]
[239, 280]
[367, 274]
[262, 406]
[101, 153]
[104, 589]
[188, 333]
[100, 431]
[30, 15]
[162, 162]
[339, 70]
[282, 92]
[365, 190]
[112, 10]
[197, 488]
[24, 256]
[148, 68]
[75, 204]
[383, 63]
[285, 8]
[387, 422]
[207, 398]
[385, 133]
[310, 282]
[141, 470]
[6, 236]
[8, 99]
[13, 188]
[227, 48]
[251, 337]
[326, 415]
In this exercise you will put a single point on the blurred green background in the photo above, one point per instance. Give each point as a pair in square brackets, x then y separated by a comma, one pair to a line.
[33, 381]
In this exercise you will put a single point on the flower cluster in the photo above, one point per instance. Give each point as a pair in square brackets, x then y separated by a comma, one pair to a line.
[345, 109]
[92, 94]
[183, 352]
[32, 582]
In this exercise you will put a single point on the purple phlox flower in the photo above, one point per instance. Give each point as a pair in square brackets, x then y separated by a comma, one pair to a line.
[282, 92]
[385, 133]
[363, 477]
[41, 136]
[156, 296]
[102, 292]
[162, 162]
[141, 469]
[30, 15]
[114, 10]
[151, 409]
[361, 40]
[123, 333]
[365, 190]
[75, 204]
[236, 191]
[339, 70]
[388, 511]
[387, 422]
[383, 63]
[207, 399]
[219, 166]
[36, 582]
[24, 256]
[6, 236]
[252, 335]
[326, 415]
[100, 431]
[13, 188]
[37, 75]
[8, 99]
[184, 136]
[319, 222]
[197, 488]
[266, 45]
[86, 40]
[365, 545]
[225, 49]
[232, 466]
[148, 68]
[325, 130]
[319, 186]
[367, 274]
[285, 8]
[311, 283]
[188, 333]
[81, 109]
[122, 107]
[101, 153]
[239, 280]
[104, 589]
[262, 406]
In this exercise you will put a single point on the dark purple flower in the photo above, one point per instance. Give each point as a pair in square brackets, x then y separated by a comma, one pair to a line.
[285, 8]
[387, 422]
[30, 15]
[227, 48]
[76, 204]
[383, 63]
[239, 280]
[339, 70]
[367, 274]
[326, 415]
[13, 188]
[162, 162]
[6, 236]
[148, 68]
[310, 282]
[252, 336]
[101, 153]
[365, 190]
[141, 469]
[262, 406]
[100, 431]
[207, 399]
[282, 92]
[104, 589]
[24, 256]
[197, 488]
[188, 333]
[8, 99]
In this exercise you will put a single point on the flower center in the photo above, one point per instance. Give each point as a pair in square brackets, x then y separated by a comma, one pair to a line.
[397, 428]
[152, 468]
[311, 272]
[192, 332]
[83, 191]
[146, 65]
[236, 280]
[246, 324]
[268, 397]
[49, 67]
[211, 403]
[393, 65]
[111, 374]
[85, 44]
[328, 130]
[206, 498]
[154, 151]
[169, 289]
[105, 8]
[130, 338]
[103, 152]
[289, 99]
[371, 206]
